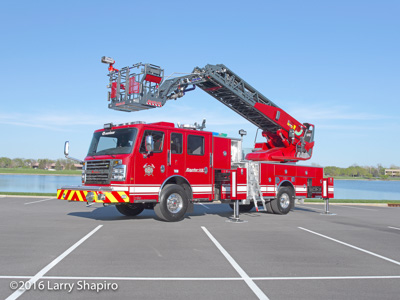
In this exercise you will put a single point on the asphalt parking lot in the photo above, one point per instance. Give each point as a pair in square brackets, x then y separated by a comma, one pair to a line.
[67, 250]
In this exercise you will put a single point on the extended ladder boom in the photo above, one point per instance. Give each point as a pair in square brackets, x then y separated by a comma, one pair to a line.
[287, 139]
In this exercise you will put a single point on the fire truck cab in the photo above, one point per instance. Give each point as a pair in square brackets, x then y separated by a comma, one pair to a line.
[142, 164]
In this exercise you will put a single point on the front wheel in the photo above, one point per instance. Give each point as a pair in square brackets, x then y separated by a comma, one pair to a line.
[173, 203]
[130, 209]
[282, 204]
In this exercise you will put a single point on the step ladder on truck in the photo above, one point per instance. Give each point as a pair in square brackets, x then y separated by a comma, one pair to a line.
[164, 167]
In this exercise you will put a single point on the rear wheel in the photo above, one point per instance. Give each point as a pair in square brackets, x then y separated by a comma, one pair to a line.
[269, 207]
[173, 203]
[283, 202]
[130, 209]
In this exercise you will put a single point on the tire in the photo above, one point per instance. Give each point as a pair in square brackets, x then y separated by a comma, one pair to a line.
[269, 207]
[282, 204]
[244, 207]
[173, 203]
[130, 209]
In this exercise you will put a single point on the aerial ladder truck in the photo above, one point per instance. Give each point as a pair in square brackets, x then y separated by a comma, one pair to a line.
[167, 168]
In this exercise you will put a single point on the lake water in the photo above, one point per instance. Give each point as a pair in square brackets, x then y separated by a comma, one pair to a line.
[344, 189]
[36, 183]
[367, 189]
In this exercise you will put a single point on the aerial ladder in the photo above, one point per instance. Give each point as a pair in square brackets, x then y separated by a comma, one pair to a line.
[143, 86]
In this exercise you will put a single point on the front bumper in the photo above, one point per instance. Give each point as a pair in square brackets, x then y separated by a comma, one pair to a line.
[99, 194]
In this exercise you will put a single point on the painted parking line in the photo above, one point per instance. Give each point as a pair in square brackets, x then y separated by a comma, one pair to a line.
[48, 199]
[335, 205]
[362, 208]
[309, 207]
[203, 205]
[206, 278]
[326, 278]
[256, 290]
[47, 268]
[351, 246]
[394, 228]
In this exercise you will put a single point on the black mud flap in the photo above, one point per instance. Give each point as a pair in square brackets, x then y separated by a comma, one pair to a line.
[190, 208]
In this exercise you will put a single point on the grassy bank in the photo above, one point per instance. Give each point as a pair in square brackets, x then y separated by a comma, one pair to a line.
[39, 172]
[352, 201]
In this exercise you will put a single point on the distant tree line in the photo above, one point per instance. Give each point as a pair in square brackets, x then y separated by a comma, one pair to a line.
[60, 164]
[66, 164]
[359, 171]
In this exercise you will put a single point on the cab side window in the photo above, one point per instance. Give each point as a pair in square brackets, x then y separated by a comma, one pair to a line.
[195, 145]
[176, 143]
[158, 138]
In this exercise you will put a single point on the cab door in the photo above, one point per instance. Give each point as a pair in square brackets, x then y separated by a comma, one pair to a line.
[198, 168]
[176, 156]
[150, 168]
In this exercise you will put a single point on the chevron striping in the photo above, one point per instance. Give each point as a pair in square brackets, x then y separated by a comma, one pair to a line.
[79, 195]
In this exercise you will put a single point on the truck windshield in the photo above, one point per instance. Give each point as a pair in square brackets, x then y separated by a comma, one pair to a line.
[119, 141]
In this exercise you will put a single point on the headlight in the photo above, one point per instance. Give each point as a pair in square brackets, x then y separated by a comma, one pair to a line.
[118, 171]
[84, 172]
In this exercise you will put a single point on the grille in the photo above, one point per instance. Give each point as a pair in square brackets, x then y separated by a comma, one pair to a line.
[98, 172]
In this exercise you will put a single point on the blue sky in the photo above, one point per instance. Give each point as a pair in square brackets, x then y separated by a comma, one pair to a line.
[331, 63]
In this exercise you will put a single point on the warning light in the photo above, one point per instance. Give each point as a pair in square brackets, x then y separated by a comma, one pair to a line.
[107, 60]
[110, 61]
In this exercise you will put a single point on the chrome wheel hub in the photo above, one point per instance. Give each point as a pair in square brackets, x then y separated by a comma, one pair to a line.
[174, 203]
[284, 201]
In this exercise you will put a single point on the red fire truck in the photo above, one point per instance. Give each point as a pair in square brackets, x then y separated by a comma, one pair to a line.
[164, 167]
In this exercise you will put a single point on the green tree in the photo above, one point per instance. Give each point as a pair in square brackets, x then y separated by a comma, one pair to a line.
[5, 162]
[28, 163]
[352, 171]
[69, 164]
[332, 171]
[43, 163]
[59, 165]
[368, 176]
[381, 170]
[17, 163]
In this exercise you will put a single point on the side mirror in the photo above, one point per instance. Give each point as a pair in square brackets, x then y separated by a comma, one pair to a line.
[66, 148]
[149, 144]
[66, 152]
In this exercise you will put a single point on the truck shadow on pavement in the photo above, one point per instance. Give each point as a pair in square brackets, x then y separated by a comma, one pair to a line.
[110, 213]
